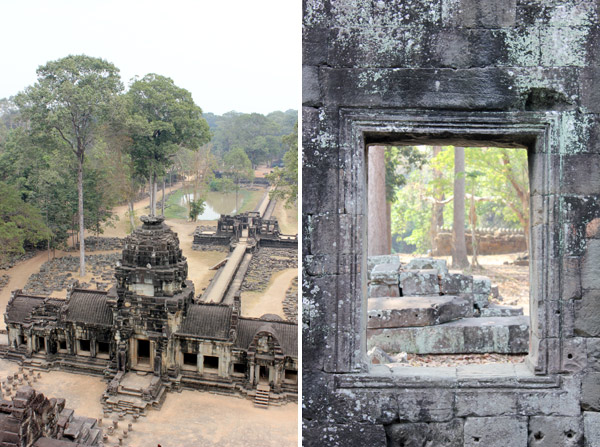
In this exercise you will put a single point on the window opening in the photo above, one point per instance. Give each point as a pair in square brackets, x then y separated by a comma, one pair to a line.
[291, 375]
[239, 368]
[62, 345]
[84, 346]
[190, 359]
[103, 348]
[211, 362]
[434, 301]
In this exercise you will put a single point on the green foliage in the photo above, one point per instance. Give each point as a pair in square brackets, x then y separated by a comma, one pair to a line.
[20, 223]
[399, 161]
[197, 207]
[163, 117]
[285, 181]
[498, 178]
[259, 135]
[223, 184]
[238, 165]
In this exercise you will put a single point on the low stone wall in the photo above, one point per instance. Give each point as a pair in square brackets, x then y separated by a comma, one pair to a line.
[496, 243]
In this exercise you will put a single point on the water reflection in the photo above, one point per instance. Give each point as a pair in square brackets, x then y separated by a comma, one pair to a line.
[214, 205]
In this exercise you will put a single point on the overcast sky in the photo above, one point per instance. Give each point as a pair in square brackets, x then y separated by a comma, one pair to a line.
[232, 55]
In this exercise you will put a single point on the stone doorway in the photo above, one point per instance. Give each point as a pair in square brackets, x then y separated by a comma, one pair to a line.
[263, 375]
[142, 354]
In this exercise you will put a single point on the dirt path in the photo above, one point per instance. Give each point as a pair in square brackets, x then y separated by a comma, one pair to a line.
[256, 304]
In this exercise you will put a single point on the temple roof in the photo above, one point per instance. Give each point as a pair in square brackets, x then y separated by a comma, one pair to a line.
[90, 307]
[207, 320]
[285, 333]
[20, 307]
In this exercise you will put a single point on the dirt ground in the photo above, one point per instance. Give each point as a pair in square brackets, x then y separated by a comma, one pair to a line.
[270, 301]
[189, 418]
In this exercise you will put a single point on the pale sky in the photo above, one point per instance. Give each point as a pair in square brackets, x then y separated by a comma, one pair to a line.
[231, 55]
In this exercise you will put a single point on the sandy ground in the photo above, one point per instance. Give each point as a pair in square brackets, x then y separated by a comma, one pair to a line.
[256, 304]
[189, 418]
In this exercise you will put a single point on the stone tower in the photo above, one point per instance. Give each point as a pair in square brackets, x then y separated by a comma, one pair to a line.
[151, 297]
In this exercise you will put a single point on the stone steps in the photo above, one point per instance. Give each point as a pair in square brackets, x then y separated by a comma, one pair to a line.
[261, 398]
[416, 311]
[503, 335]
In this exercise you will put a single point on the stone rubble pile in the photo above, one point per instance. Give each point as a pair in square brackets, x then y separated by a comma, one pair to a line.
[423, 308]
[57, 274]
[290, 303]
[266, 262]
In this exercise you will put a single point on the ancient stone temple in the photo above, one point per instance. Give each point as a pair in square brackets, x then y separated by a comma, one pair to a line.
[149, 333]
[475, 73]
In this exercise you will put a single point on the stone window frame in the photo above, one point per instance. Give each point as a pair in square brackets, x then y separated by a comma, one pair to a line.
[539, 132]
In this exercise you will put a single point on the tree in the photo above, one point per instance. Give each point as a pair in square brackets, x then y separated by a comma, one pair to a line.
[239, 167]
[70, 100]
[285, 181]
[163, 119]
[459, 247]
[20, 223]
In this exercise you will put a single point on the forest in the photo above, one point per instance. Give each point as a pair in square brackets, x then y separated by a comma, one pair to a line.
[423, 181]
[77, 143]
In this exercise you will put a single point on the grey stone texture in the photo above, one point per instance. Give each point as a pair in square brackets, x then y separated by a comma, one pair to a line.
[485, 73]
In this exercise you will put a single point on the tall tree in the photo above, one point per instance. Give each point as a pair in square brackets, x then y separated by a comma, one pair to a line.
[459, 247]
[163, 119]
[285, 180]
[239, 167]
[70, 99]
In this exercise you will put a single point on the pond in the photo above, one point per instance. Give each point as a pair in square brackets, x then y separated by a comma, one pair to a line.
[217, 204]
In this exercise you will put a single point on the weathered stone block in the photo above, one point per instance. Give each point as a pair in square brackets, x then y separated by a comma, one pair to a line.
[467, 335]
[574, 355]
[550, 431]
[439, 265]
[415, 311]
[499, 431]
[440, 434]
[383, 290]
[562, 402]
[587, 314]
[590, 391]
[590, 279]
[316, 434]
[431, 405]
[385, 274]
[372, 261]
[486, 403]
[482, 285]
[591, 428]
[479, 14]
[481, 300]
[311, 95]
[455, 283]
[495, 310]
[593, 353]
[419, 282]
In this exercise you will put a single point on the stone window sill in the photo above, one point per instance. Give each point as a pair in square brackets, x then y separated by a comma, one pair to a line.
[492, 375]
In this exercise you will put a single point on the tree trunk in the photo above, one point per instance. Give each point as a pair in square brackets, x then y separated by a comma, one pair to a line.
[81, 221]
[162, 205]
[459, 248]
[131, 213]
[437, 212]
[473, 221]
[377, 228]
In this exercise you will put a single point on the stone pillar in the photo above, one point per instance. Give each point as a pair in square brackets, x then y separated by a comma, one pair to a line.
[379, 237]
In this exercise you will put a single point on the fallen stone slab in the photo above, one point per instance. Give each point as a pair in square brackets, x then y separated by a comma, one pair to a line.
[415, 311]
[372, 261]
[495, 310]
[502, 335]
[383, 290]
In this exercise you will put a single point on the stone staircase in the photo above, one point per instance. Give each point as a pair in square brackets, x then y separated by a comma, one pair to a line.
[261, 398]
[79, 429]
[124, 397]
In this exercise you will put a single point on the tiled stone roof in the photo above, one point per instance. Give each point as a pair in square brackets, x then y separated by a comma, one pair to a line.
[207, 320]
[285, 333]
[19, 309]
[89, 307]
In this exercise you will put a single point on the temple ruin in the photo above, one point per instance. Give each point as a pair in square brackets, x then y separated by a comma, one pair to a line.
[150, 334]
[468, 73]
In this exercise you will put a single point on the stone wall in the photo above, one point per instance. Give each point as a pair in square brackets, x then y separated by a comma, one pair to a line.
[515, 73]
[488, 243]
